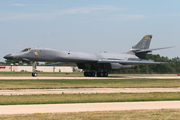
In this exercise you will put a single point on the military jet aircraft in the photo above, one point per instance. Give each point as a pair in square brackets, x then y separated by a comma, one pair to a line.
[92, 63]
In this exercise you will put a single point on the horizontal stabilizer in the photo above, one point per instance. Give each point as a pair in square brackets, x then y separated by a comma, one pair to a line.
[143, 62]
[150, 50]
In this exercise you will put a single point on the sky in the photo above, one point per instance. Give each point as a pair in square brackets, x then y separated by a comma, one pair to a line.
[89, 25]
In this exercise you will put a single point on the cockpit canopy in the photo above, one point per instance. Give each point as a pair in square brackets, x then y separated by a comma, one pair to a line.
[27, 50]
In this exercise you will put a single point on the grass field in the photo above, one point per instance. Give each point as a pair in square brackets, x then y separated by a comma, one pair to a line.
[91, 83]
[86, 98]
[170, 114]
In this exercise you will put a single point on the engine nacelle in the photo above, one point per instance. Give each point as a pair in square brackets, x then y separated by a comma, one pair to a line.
[24, 61]
[104, 66]
[117, 66]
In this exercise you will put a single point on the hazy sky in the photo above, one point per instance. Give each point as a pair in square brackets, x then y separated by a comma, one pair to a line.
[89, 25]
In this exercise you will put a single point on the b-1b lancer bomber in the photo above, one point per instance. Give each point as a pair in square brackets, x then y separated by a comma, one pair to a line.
[93, 64]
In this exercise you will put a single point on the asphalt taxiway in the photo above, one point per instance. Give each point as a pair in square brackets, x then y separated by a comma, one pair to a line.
[111, 77]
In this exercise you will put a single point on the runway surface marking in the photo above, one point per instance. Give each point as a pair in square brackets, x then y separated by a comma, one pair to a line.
[82, 107]
[119, 77]
[86, 91]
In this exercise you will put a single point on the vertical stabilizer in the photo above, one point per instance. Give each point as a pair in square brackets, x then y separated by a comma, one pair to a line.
[143, 43]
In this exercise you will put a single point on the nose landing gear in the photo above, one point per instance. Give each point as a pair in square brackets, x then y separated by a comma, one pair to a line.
[34, 74]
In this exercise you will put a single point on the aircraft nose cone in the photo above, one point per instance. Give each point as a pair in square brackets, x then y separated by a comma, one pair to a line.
[9, 57]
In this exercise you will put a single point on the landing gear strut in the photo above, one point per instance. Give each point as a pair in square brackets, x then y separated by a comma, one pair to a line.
[34, 74]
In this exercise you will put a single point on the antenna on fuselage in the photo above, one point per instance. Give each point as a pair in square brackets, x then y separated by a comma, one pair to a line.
[69, 52]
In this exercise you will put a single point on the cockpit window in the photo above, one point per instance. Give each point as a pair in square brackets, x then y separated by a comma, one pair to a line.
[26, 50]
[30, 50]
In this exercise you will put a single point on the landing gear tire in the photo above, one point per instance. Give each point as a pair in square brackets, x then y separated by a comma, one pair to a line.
[85, 74]
[89, 74]
[99, 74]
[102, 74]
[34, 74]
[92, 74]
[105, 74]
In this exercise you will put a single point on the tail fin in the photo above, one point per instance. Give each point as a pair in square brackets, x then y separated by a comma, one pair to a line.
[143, 43]
[142, 47]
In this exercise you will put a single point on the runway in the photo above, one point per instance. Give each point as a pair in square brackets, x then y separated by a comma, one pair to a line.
[111, 77]
[83, 107]
[86, 91]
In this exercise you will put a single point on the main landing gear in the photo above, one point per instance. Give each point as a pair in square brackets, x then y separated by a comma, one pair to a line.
[34, 74]
[102, 74]
[89, 74]
[99, 74]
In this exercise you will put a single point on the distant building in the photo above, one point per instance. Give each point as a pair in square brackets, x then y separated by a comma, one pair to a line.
[13, 68]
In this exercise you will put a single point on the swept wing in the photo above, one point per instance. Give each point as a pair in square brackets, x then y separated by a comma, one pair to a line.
[131, 62]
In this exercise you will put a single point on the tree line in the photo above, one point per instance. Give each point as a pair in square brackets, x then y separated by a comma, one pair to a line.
[171, 66]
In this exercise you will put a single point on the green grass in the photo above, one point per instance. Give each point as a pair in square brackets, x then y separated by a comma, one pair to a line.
[86, 98]
[169, 114]
[90, 83]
